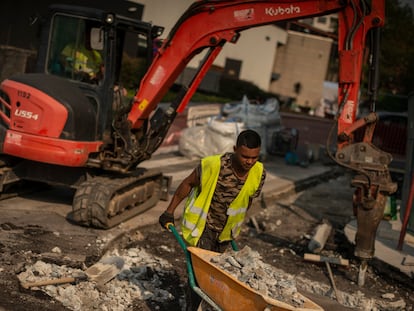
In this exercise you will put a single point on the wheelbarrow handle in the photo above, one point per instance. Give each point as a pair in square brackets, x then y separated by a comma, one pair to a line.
[178, 237]
[170, 226]
[180, 240]
[190, 271]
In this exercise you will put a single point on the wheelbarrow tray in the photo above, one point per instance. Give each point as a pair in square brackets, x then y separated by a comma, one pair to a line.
[231, 294]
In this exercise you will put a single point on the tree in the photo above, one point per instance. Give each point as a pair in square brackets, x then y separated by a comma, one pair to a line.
[397, 49]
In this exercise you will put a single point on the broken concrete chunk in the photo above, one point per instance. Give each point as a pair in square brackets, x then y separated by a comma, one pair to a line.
[318, 241]
[261, 277]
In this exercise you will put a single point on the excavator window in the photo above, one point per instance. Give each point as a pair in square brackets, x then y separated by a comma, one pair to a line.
[134, 58]
[76, 48]
[108, 59]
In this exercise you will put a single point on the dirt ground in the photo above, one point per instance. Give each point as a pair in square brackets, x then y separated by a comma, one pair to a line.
[280, 232]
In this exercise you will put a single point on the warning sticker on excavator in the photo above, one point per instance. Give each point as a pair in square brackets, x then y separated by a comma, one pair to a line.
[157, 76]
[347, 115]
[243, 15]
[14, 138]
[143, 104]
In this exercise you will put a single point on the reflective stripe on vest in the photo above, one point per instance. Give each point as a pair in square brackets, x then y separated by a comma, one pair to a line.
[198, 204]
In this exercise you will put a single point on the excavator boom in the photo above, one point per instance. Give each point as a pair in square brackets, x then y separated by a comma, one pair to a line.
[209, 25]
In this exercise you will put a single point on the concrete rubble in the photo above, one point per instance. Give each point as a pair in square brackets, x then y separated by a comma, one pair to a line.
[140, 279]
[246, 266]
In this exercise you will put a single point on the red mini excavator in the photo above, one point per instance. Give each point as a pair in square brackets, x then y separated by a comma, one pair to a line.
[65, 126]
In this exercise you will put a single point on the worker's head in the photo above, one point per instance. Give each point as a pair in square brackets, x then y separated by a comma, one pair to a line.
[249, 138]
[247, 149]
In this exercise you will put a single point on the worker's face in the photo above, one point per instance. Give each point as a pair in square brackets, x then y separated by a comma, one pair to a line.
[246, 157]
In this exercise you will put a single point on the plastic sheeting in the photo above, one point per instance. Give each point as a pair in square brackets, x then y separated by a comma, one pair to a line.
[254, 115]
[263, 118]
[219, 134]
[216, 137]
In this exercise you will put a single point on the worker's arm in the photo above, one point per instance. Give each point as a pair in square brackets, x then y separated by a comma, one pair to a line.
[183, 190]
[259, 190]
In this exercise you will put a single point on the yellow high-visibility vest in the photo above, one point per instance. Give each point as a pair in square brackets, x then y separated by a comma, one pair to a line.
[82, 59]
[198, 203]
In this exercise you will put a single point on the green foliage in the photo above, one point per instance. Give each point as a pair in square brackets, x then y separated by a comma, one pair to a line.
[230, 90]
[235, 89]
[202, 97]
[397, 49]
[133, 69]
[393, 103]
[198, 97]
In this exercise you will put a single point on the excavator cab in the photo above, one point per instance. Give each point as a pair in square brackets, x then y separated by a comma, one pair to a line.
[103, 54]
[69, 112]
[76, 49]
[79, 40]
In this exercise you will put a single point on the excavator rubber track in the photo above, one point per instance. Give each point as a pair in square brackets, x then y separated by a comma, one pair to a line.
[106, 201]
[11, 185]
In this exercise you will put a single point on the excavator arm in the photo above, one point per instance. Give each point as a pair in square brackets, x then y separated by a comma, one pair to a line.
[208, 25]
[211, 24]
[205, 26]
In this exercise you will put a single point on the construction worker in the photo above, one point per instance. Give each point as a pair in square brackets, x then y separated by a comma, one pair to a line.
[219, 192]
[80, 61]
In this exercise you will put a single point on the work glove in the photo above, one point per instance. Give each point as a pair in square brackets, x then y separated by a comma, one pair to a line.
[166, 219]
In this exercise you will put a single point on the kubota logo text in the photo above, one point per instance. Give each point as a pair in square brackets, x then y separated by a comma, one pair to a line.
[282, 10]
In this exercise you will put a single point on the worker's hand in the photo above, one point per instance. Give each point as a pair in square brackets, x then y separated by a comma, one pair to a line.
[166, 219]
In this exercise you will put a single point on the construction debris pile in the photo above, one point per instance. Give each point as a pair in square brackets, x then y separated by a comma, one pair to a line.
[138, 280]
[246, 265]
[143, 274]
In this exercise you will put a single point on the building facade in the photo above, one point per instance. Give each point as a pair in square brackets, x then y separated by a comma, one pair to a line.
[301, 65]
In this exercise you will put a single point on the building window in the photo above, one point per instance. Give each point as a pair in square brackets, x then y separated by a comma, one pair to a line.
[322, 19]
[232, 68]
[333, 23]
